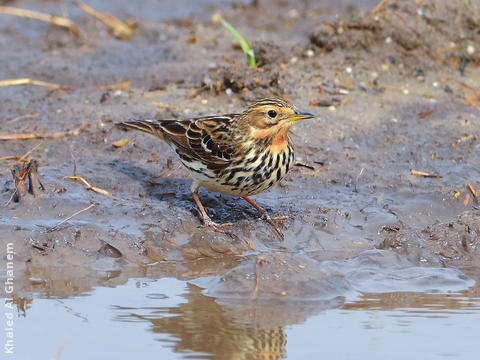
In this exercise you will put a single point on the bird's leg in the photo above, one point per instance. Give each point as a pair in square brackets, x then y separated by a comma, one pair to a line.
[265, 216]
[207, 222]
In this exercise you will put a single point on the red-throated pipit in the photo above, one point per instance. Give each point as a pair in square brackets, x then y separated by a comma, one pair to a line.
[235, 154]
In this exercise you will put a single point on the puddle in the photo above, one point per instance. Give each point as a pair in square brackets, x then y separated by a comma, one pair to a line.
[173, 320]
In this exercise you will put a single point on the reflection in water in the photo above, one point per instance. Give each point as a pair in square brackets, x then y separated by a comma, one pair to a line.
[201, 325]
[413, 300]
[240, 330]
[171, 319]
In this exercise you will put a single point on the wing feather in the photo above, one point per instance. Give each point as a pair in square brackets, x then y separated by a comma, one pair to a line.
[206, 139]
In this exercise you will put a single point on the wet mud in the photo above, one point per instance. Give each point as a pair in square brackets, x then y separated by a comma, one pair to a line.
[397, 91]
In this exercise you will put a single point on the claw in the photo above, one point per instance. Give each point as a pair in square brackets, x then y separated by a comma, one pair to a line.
[207, 222]
[269, 220]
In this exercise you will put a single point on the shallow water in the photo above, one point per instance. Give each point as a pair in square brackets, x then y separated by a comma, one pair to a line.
[174, 320]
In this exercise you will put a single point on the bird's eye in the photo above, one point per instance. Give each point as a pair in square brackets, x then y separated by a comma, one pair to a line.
[272, 113]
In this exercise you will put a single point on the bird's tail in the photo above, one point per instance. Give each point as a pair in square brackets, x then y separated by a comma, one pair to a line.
[148, 126]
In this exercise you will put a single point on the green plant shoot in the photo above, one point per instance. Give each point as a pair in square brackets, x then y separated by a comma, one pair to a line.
[246, 47]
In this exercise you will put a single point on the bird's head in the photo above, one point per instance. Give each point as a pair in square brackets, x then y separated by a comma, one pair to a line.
[272, 117]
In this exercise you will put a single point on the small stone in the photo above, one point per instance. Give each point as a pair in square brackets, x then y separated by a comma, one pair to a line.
[293, 14]
[216, 18]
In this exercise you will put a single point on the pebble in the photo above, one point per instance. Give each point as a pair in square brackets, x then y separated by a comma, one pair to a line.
[470, 50]
[310, 53]
[388, 40]
[293, 14]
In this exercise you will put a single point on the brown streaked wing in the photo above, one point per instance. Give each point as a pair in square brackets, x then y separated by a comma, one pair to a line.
[204, 139]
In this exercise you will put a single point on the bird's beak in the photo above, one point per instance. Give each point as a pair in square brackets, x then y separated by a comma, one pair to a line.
[300, 115]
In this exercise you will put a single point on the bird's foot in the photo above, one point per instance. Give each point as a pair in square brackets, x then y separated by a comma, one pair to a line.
[271, 221]
[208, 223]
[280, 218]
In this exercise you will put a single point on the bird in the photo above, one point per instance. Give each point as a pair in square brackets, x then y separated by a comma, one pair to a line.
[239, 154]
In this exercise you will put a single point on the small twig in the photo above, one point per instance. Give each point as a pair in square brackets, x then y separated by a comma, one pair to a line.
[380, 6]
[425, 114]
[301, 164]
[11, 198]
[26, 136]
[28, 81]
[74, 163]
[260, 260]
[22, 158]
[70, 217]
[120, 29]
[472, 190]
[424, 174]
[119, 86]
[358, 178]
[165, 106]
[90, 187]
[50, 19]
[23, 117]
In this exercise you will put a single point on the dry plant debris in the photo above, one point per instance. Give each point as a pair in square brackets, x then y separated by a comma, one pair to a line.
[28, 81]
[26, 136]
[20, 175]
[86, 183]
[120, 29]
[472, 190]
[23, 158]
[53, 228]
[424, 174]
[47, 18]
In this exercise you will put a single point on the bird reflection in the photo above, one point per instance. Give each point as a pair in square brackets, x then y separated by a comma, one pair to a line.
[202, 325]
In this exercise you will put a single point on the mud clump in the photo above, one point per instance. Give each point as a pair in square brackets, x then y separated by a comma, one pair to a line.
[427, 32]
[455, 243]
[240, 78]
[268, 54]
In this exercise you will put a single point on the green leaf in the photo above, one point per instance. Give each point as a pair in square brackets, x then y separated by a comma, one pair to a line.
[246, 48]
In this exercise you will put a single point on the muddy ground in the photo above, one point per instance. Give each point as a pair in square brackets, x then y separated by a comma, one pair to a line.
[409, 75]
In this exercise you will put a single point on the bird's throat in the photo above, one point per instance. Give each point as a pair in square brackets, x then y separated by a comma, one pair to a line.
[279, 142]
